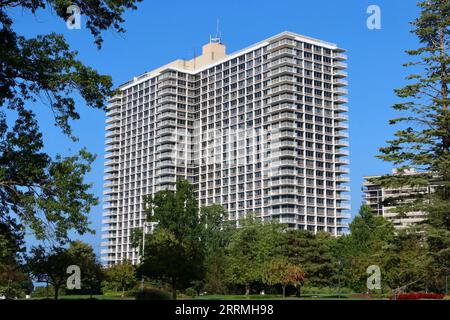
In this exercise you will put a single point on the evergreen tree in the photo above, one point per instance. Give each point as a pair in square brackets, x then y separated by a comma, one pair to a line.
[423, 143]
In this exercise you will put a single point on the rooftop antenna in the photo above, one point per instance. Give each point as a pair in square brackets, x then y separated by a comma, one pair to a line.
[216, 39]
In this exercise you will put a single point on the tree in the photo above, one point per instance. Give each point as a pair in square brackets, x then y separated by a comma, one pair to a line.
[251, 247]
[13, 278]
[423, 142]
[122, 276]
[369, 237]
[175, 250]
[48, 194]
[313, 254]
[281, 272]
[216, 236]
[92, 273]
[404, 263]
[51, 265]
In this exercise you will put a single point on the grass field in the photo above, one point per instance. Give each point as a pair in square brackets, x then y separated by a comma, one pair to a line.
[225, 297]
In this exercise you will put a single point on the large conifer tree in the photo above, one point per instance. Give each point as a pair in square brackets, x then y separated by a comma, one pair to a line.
[423, 141]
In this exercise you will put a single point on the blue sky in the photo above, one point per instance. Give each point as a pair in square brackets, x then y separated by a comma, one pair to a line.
[161, 31]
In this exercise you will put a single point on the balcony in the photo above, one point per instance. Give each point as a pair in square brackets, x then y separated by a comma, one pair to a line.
[341, 117]
[282, 201]
[168, 99]
[106, 251]
[341, 125]
[340, 82]
[342, 161]
[167, 91]
[281, 61]
[344, 189]
[167, 123]
[341, 91]
[340, 65]
[341, 108]
[284, 153]
[110, 198]
[341, 152]
[113, 111]
[112, 147]
[113, 126]
[109, 185]
[282, 52]
[165, 163]
[109, 221]
[110, 162]
[282, 182]
[341, 143]
[167, 75]
[167, 171]
[108, 243]
[167, 83]
[281, 88]
[111, 155]
[340, 74]
[167, 155]
[339, 56]
[169, 138]
[341, 100]
[281, 44]
[281, 80]
[112, 119]
[166, 146]
[168, 179]
[167, 115]
[165, 131]
[109, 228]
[111, 177]
[168, 107]
[111, 168]
[343, 179]
[283, 116]
[281, 70]
[341, 215]
[113, 133]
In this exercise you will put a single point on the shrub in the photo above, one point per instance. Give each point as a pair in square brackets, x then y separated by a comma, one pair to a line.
[191, 292]
[41, 292]
[419, 295]
[152, 294]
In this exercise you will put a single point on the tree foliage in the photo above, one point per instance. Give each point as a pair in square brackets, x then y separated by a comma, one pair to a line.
[280, 271]
[175, 251]
[52, 264]
[251, 246]
[423, 142]
[47, 194]
[121, 276]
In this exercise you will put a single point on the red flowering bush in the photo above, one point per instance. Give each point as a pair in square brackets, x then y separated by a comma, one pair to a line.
[419, 295]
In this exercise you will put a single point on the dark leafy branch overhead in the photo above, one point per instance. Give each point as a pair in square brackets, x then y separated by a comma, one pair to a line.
[47, 194]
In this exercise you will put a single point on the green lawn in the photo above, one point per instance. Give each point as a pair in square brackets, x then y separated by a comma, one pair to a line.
[117, 296]
[279, 297]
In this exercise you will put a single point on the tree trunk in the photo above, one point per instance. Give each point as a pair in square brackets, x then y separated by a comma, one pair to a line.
[174, 289]
[56, 288]
[284, 291]
[123, 291]
[247, 289]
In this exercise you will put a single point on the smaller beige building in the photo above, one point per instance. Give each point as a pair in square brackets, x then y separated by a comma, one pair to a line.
[375, 197]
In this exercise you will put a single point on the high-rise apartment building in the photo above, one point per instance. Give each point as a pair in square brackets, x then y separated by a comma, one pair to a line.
[383, 200]
[261, 130]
